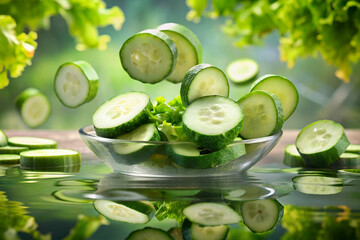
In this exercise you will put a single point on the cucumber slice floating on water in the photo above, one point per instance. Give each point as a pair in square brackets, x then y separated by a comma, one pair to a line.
[211, 214]
[12, 149]
[122, 114]
[242, 70]
[292, 157]
[49, 158]
[262, 215]
[188, 47]
[213, 121]
[9, 158]
[32, 142]
[33, 106]
[3, 138]
[149, 56]
[196, 232]
[281, 87]
[76, 83]
[263, 114]
[321, 143]
[149, 233]
[203, 80]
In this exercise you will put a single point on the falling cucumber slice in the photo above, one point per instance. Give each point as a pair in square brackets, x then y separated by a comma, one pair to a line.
[292, 157]
[263, 114]
[353, 148]
[3, 138]
[149, 56]
[281, 87]
[9, 158]
[321, 143]
[33, 106]
[194, 231]
[122, 114]
[32, 142]
[242, 70]
[347, 160]
[203, 80]
[76, 83]
[149, 233]
[188, 47]
[49, 158]
[12, 150]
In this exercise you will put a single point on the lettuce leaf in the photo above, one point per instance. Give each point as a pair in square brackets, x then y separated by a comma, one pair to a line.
[170, 210]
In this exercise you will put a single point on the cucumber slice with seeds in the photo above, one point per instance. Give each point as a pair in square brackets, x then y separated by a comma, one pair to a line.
[321, 143]
[12, 150]
[149, 233]
[242, 70]
[281, 87]
[203, 80]
[212, 121]
[9, 158]
[122, 114]
[33, 106]
[263, 114]
[188, 47]
[292, 157]
[76, 83]
[149, 56]
[3, 138]
[32, 142]
[49, 158]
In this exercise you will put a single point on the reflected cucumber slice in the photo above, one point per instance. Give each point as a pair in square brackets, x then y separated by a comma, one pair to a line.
[318, 185]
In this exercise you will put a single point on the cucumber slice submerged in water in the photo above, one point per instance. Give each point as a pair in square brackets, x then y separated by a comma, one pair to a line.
[193, 231]
[76, 83]
[122, 114]
[203, 80]
[32, 142]
[188, 47]
[33, 106]
[149, 233]
[242, 70]
[149, 56]
[3, 138]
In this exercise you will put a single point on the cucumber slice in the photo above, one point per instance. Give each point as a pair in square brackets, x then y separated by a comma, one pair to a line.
[148, 56]
[281, 87]
[292, 157]
[188, 47]
[321, 143]
[149, 233]
[193, 231]
[62, 195]
[262, 215]
[76, 83]
[212, 121]
[130, 212]
[49, 158]
[189, 155]
[353, 148]
[32, 142]
[12, 150]
[203, 80]
[9, 158]
[242, 70]
[263, 114]
[3, 138]
[347, 160]
[33, 106]
[318, 185]
[136, 152]
[122, 114]
[211, 214]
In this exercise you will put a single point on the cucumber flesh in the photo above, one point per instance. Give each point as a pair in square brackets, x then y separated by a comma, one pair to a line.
[353, 148]
[76, 83]
[149, 233]
[9, 158]
[197, 232]
[12, 150]
[32, 142]
[3, 138]
[347, 161]
[292, 157]
[242, 70]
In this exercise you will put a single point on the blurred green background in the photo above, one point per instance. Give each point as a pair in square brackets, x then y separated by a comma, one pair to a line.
[322, 95]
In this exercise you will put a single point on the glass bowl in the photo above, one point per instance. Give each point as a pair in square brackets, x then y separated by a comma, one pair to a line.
[150, 159]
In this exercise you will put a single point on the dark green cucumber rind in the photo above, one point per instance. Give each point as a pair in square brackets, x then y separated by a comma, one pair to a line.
[293, 160]
[278, 106]
[155, 34]
[9, 158]
[3, 138]
[187, 229]
[353, 148]
[31, 147]
[190, 76]
[347, 161]
[12, 150]
[255, 84]
[209, 160]
[328, 156]
[147, 232]
[91, 76]
[46, 162]
[113, 132]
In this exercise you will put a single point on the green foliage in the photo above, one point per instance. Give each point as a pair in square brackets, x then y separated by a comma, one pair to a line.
[170, 112]
[171, 210]
[307, 28]
[83, 18]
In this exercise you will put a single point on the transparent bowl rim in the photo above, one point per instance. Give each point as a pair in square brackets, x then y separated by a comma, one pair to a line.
[84, 131]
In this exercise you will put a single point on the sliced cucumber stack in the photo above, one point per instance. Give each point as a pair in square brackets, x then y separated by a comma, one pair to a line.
[32, 142]
[33, 106]
[188, 47]
[12, 149]
[9, 158]
[149, 56]
[130, 212]
[193, 231]
[292, 157]
[149, 233]
[242, 70]
[212, 121]
[49, 158]
[262, 215]
[76, 83]
[203, 80]
[122, 114]
[211, 214]
[3, 138]
[281, 87]
[263, 114]
[321, 143]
